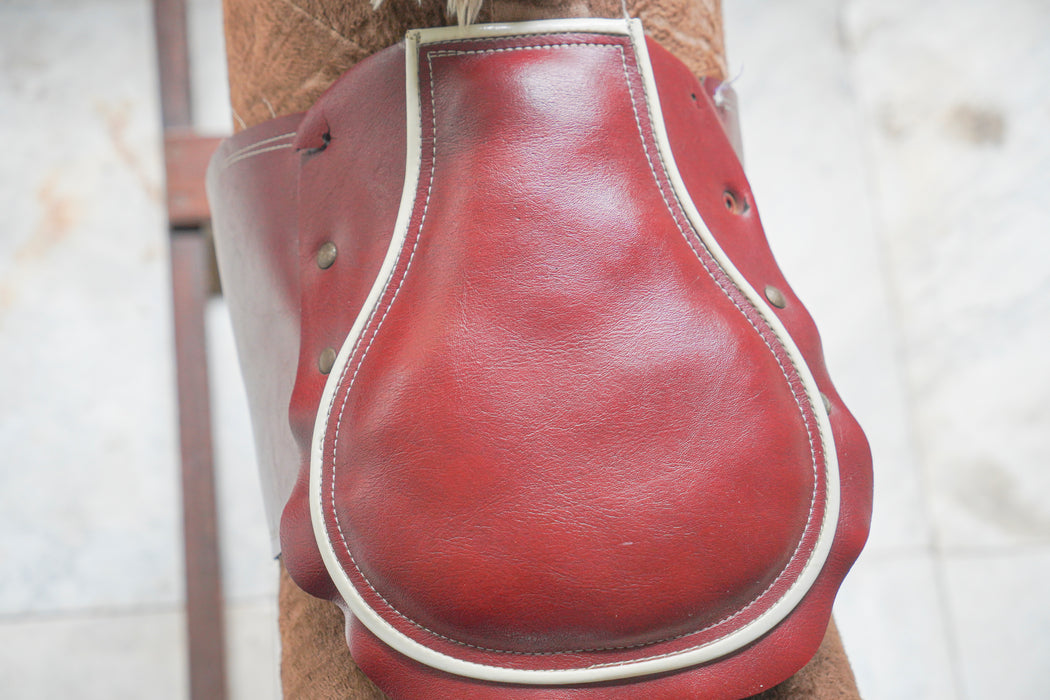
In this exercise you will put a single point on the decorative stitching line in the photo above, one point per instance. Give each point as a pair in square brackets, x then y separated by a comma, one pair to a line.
[791, 360]
[504, 49]
[783, 371]
[404, 275]
[512, 37]
[243, 156]
[379, 325]
[250, 146]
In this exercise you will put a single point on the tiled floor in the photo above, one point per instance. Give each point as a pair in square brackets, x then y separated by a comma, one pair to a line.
[90, 590]
[913, 225]
[900, 156]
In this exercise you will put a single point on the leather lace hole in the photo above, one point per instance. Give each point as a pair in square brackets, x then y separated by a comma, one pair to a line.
[734, 203]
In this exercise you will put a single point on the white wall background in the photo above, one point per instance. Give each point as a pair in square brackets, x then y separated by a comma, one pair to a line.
[900, 155]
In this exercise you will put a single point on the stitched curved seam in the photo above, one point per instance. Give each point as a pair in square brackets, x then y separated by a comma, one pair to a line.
[256, 144]
[375, 333]
[512, 37]
[360, 362]
[696, 253]
[245, 156]
[776, 358]
[791, 360]
[465, 52]
[404, 274]
[259, 147]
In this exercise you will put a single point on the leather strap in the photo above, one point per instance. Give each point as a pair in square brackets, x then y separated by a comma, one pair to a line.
[251, 185]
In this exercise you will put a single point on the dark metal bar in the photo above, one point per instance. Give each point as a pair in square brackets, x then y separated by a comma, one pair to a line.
[187, 213]
[204, 603]
[186, 156]
[173, 61]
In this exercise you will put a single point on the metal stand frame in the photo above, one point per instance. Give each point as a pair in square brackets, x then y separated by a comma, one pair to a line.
[186, 156]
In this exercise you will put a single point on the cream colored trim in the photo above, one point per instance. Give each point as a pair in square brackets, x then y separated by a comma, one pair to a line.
[829, 524]
[653, 665]
[258, 144]
[587, 25]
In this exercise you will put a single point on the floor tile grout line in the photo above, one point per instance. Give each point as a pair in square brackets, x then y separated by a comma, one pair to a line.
[90, 613]
[895, 311]
[124, 611]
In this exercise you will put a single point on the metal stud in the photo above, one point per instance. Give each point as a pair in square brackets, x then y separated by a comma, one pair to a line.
[775, 296]
[326, 361]
[326, 255]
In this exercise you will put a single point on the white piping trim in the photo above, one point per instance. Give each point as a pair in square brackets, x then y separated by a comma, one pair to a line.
[257, 144]
[588, 25]
[829, 525]
[654, 665]
[257, 152]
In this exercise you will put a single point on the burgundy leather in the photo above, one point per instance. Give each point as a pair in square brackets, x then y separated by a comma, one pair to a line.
[564, 437]
[251, 189]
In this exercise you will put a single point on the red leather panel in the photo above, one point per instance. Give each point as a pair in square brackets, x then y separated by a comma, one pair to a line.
[564, 437]
[550, 424]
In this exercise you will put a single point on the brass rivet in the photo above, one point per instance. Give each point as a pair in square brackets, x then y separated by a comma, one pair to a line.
[775, 296]
[326, 361]
[326, 255]
[826, 400]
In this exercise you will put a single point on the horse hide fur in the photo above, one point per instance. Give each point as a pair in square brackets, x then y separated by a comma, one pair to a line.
[465, 11]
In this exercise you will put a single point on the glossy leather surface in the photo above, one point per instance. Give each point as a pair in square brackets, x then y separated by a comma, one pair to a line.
[251, 187]
[562, 435]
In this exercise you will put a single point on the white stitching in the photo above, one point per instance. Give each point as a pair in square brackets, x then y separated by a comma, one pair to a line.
[794, 393]
[504, 49]
[357, 368]
[512, 37]
[652, 169]
[689, 242]
[246, 155]
[250, 146]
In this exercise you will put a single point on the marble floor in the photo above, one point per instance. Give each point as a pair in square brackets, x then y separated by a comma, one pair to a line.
[900, 156]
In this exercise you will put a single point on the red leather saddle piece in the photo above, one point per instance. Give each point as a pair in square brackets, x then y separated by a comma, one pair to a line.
[570, 446]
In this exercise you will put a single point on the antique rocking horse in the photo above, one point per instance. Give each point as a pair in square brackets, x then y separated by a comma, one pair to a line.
[539, 414]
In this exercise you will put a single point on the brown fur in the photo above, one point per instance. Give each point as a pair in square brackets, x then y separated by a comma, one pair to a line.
[283, 54]
[315, 662]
